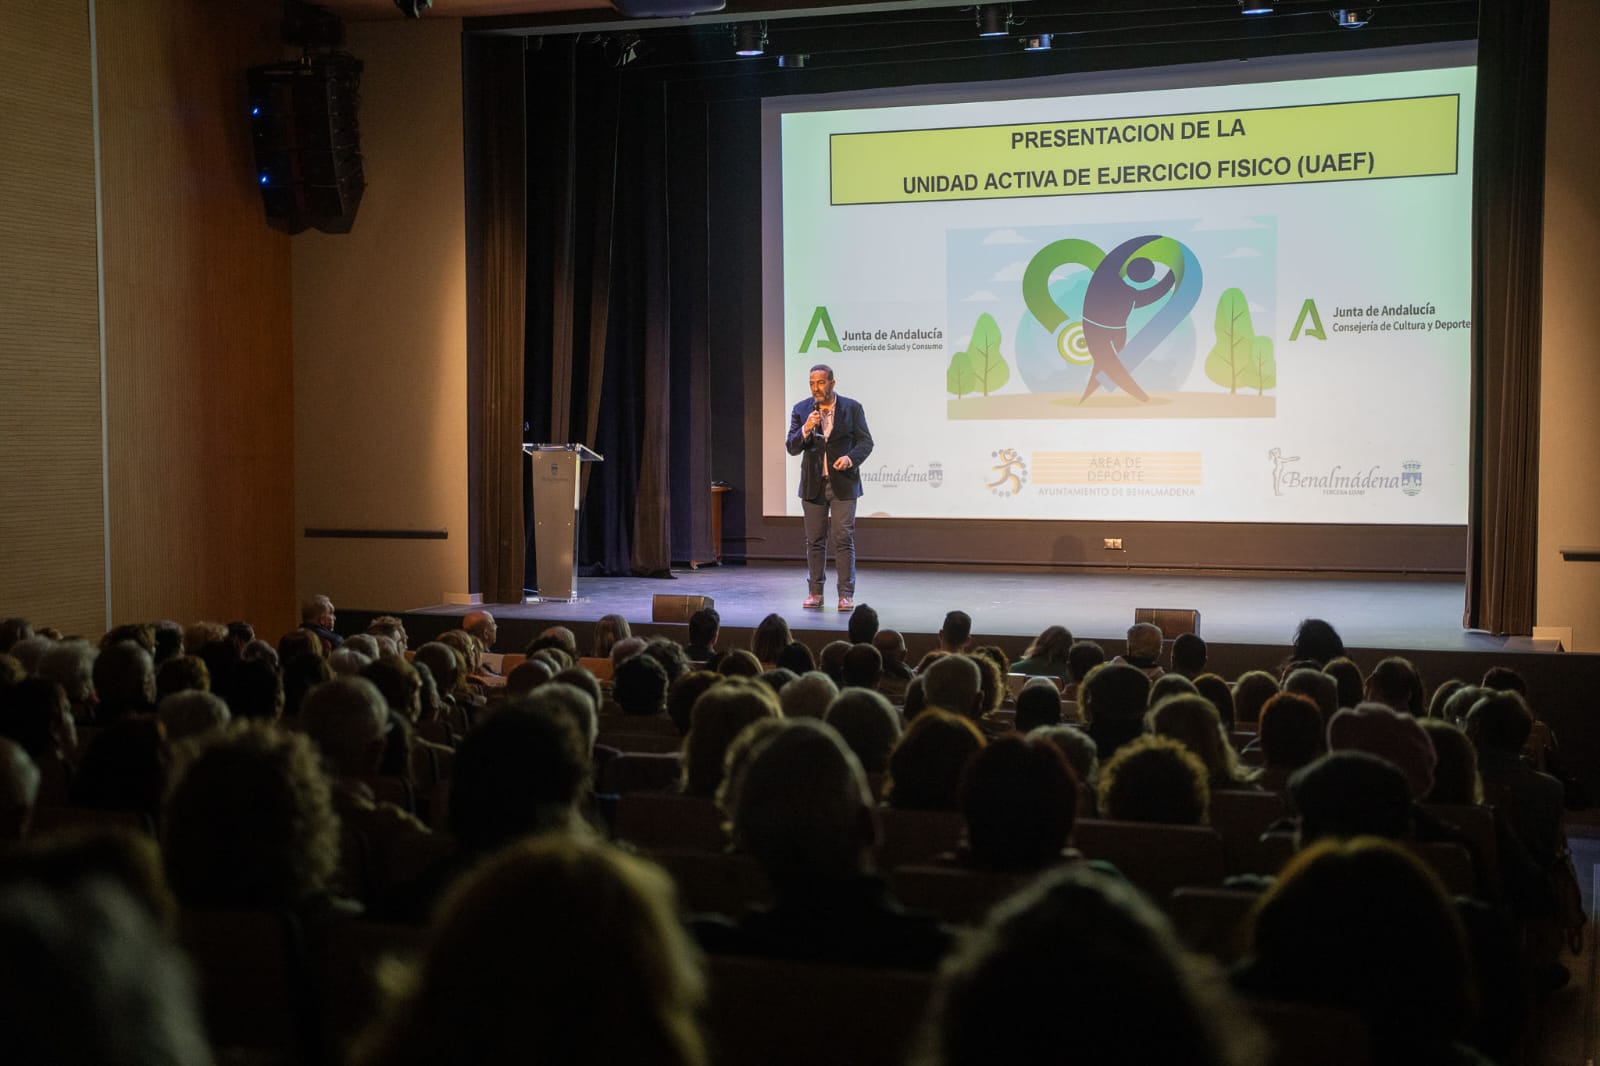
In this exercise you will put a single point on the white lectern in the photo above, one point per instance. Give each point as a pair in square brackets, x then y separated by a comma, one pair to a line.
[555, 516]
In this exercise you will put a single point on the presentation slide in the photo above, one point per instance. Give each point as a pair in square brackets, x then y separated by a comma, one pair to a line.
[1221, 302]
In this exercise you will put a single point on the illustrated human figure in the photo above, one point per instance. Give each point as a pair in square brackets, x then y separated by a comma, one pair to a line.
[1279, 461]
[1108, 302]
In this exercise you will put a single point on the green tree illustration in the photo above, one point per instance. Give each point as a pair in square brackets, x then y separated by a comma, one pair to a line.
[1263, 369]
[988, 365]
[959, 378]
[1233, 361]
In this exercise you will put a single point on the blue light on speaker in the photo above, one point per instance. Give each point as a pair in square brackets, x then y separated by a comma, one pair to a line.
[254, 111]
[263, 179]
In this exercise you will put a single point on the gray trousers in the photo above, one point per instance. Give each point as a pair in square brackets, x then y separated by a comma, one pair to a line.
[839, 517]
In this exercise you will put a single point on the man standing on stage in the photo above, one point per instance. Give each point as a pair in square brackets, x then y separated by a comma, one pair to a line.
[829, 432]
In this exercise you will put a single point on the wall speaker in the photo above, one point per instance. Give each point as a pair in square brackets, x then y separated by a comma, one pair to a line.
[307, 141]
[1173, 621]
[677, 608]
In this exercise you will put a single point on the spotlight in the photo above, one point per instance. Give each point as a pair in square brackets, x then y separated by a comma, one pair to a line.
[793, 61]
[413, 9]
[1039, 42]
[994, 20]
[750, 39]
[1256, 7]
[1351, 18]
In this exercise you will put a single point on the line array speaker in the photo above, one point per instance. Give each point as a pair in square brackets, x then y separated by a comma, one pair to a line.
[307, 141]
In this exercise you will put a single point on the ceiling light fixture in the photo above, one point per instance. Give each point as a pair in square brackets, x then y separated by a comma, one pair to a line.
[750, 39]
[994, 20]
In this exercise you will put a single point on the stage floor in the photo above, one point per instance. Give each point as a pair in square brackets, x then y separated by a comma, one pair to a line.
[1400, 614]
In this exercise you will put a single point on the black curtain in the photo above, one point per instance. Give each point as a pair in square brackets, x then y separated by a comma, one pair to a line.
[1508, 249]
[617, 350]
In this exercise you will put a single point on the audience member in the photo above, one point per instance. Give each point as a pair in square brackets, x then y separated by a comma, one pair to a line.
[1316, 640]
[683, 693]
[769, 638]
[1192, 721]
[1291, 735]
[1441, 696]
[1019, 798]
[863, 624]
[387, 625]
[70, 663]
[956, 632]
[1220, 693]
[1317, 686]
[809, 696]
[1143, 649]
[1171, 685]
[89, 980]
[868, 724]
[797, 657]
[1112, 700]
[1363, 926]
[1349, 679]
[249, 821]
[777, 679]
[1455, 773]
[1154, 779]
[1047, 655]
[739, 663]
[1077, 747]
[1189, 655]
[718, 716]
[190, 713]
[831, 660]
[1250, 693]
[1038, 704]
[19, 791]
[1395, 683]
[925, 767]
[558, 949]
[1389, 734]
[863, 666]
[1079, 967]
[955, 683]
[608, 629]
[180, 674]
[13, 630]
[639, 686]
[316, 617]
[251, 689]
[1349, 794]
[124, 768]
[801, 809]
[705, 625]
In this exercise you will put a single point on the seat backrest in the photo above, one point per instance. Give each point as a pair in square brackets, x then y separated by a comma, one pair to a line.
[961, 897]
[656, 742]
[916, 836]
[1477, 824]
[652, 820]
[1303, 1034]
[347, 954]
[617, 722]
[1453, 864]
[255, 982]
[599, 666]
[1211, 920]
[1157, 858]
[641, 771]
[1240, 817]
[766, 1012]
[714, 883]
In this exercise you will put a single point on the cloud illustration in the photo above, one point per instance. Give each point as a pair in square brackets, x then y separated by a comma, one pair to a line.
[980, 296]
[1007, 236]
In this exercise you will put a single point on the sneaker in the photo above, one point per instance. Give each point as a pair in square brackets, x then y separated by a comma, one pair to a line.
[813, 600]
[845, 604]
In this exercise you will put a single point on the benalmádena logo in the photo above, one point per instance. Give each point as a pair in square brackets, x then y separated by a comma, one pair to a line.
[828, 340]
[1009, 471]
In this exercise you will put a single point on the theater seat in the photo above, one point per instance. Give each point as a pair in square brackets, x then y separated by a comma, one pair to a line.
[714, 883]
[640, 771]
[1211, 920]
[767, 1012]
[1303, 1034]
[959, 896]
[651, 820]
[1157, 858]
[916, 836]
[1240, 817]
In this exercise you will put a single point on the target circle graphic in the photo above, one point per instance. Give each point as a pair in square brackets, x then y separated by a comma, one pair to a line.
[1072, 345]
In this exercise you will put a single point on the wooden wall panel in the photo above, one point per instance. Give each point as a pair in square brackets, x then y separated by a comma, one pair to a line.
[199, 362]
[52, 546]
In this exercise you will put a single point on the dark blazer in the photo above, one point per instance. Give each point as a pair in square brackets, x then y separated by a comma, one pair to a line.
[850, 437]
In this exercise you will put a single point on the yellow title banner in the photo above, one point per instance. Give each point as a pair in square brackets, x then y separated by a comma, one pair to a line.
[1404, 138]
[1117, 468]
